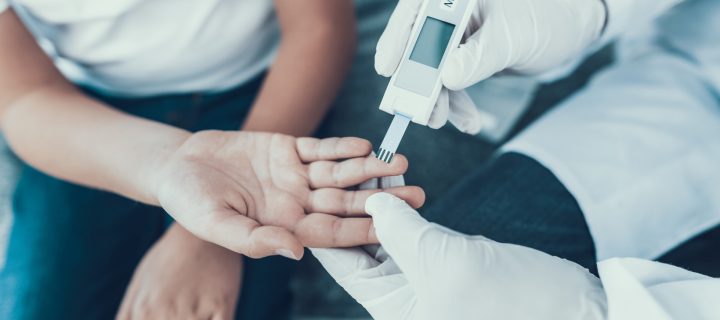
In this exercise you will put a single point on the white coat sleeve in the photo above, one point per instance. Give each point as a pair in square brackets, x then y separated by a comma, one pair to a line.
[3, 6]
[623, 16]
[642, 289]
[627, 15]
[639, 147]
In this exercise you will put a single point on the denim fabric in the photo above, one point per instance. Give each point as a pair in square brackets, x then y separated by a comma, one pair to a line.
[517, 200]
[73, 250]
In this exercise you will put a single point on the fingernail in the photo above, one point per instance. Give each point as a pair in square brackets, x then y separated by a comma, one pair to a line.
[287, 254]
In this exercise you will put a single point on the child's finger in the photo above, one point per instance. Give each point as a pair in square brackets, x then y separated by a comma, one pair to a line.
[329, 174]
[311, 149]
[246, 236]
[345, 203]
[319, 230]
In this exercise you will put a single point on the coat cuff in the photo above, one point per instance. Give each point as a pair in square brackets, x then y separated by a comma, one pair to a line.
[622, 16]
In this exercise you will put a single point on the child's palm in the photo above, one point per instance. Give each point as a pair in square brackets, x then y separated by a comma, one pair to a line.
[256, 193]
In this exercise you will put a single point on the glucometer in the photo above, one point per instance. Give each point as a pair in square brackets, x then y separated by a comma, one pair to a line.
[414, 87]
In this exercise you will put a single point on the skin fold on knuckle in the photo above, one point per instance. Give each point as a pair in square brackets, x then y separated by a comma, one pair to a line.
[336, 175]
[336, 231]
[308, 147]
[349, 202]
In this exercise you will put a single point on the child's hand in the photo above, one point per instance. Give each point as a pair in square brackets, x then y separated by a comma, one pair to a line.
[263, 194]
[183, 277]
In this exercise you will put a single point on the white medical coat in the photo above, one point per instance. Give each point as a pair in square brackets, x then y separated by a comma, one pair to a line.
[640, 150]
[641, 289]
[640, 147]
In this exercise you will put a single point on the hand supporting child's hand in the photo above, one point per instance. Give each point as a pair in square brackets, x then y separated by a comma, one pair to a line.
[263, 194]
[183, 277]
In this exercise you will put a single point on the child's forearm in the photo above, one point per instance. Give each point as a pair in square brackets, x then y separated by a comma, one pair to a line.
[74, 138]
[55, 128]
[318, 43]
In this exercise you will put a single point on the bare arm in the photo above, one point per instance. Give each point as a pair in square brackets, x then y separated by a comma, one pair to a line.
[223, 186]
[318, 43]
[57, 129]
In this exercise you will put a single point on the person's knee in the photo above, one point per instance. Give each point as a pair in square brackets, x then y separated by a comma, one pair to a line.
[517, 200]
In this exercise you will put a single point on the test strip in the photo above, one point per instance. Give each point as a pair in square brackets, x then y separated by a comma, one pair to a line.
[392, 139]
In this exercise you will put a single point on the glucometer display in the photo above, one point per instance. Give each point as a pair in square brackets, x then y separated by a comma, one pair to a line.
[432, 42]
[413, 90]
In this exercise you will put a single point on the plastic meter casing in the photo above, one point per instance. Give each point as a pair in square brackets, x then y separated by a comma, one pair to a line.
[414, 87]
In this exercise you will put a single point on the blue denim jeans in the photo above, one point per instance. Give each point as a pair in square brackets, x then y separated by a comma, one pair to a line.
[515, 199]
[73, 250]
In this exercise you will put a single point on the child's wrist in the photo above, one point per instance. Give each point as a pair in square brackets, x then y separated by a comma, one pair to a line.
[153, 177]
[178, 234]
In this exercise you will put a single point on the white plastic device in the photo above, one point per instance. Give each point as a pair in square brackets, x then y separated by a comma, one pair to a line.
[414, 87]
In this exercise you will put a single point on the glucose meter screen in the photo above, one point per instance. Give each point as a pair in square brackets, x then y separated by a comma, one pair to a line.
[432, 42]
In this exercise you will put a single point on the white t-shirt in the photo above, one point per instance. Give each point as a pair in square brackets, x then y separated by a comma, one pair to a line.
[152, 47]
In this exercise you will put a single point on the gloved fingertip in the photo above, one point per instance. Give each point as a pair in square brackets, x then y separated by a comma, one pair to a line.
[485, 123]
[473, 130]
[441, 112]
[453, 73]
[480, 122]
[382, 70]
[471, 127]
[381, 202]
[435, 124]
[382, 66]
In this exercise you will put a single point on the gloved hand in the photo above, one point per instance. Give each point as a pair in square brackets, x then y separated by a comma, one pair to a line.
[526, 36]
[435, 273]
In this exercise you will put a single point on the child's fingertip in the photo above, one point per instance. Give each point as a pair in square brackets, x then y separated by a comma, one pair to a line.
[400, 162]
[420, 198]
[372, 236]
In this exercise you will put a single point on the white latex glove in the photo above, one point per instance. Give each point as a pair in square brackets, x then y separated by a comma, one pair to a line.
[434, 273]
[526, 36]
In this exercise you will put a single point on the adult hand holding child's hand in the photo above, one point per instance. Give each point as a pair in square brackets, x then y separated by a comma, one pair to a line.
[263, 194]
